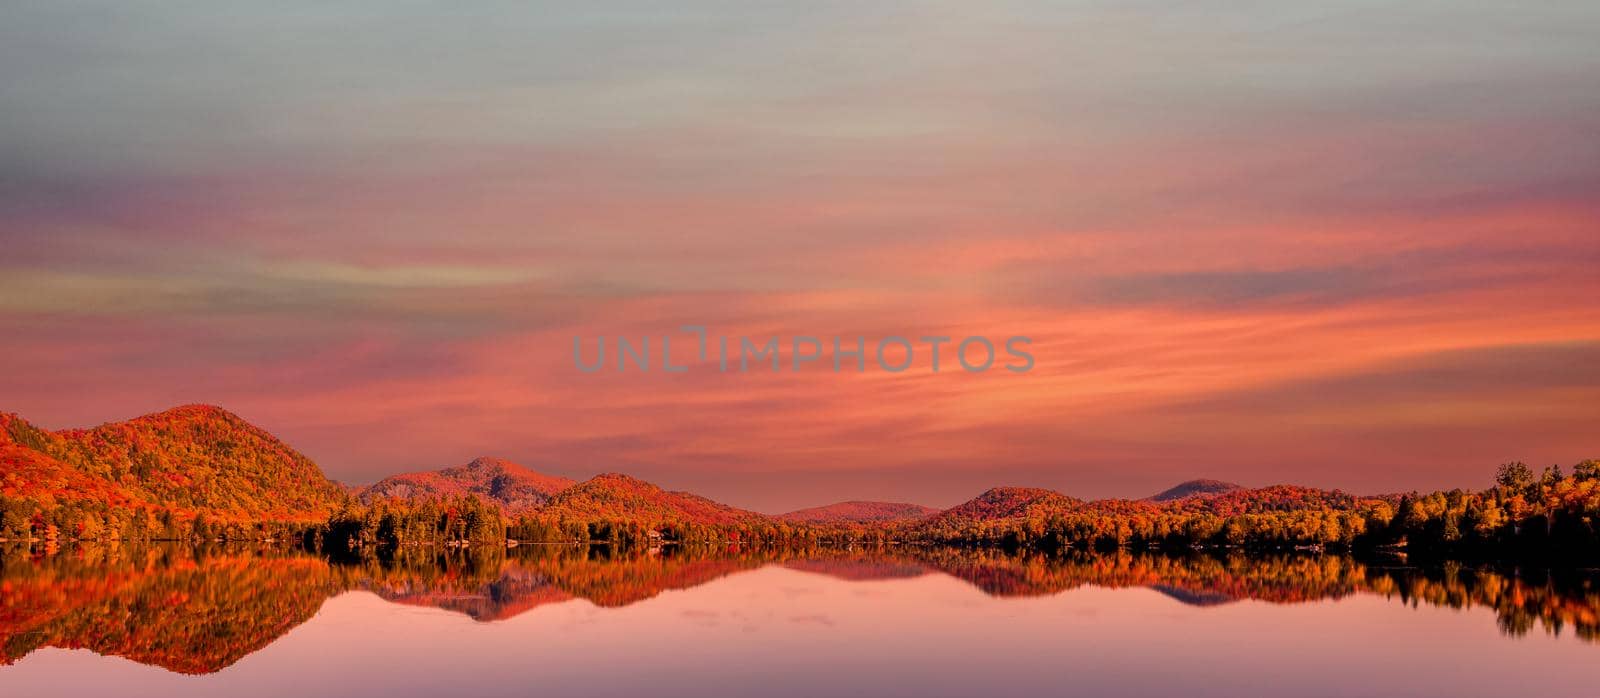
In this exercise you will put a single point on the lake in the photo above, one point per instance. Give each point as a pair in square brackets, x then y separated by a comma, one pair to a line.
[897, 621]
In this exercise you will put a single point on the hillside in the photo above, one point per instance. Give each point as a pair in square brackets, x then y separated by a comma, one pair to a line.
[860, 512]
[1003, 503]
[1277, 498]
[1194, 488]
[184, 461]
[618, 497]
[28, 473]
[514, 488]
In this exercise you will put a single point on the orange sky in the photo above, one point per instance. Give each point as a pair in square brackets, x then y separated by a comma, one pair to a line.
[1296, 244]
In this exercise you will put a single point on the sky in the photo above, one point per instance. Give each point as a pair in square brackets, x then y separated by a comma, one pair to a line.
[1350, 244]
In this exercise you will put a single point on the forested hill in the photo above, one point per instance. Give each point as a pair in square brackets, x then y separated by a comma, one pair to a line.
[514, 488]
[1194, 488]
[614, 496]
[195, 460]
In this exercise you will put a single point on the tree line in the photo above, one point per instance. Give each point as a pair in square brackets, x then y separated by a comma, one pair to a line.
[1551, 513]
[1547, 514]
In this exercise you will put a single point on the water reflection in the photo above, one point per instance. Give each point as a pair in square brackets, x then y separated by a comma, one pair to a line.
[199, 610]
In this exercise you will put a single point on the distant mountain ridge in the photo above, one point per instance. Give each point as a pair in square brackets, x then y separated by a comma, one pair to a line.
[513, 487]
[1194, 488]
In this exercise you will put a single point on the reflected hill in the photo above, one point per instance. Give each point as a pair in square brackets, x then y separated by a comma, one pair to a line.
[191, 614]
[861, 568]
[199, 610]
[497, 586]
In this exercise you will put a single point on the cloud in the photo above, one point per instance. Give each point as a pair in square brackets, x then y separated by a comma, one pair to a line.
[1507, 374]
[1370, 276]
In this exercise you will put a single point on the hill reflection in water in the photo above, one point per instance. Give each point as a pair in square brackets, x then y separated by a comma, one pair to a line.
[199, 610]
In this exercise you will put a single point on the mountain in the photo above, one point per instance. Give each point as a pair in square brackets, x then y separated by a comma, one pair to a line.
[860, 512]
[1005, 503]
[1277, 498]
[618, 497]
[514, 488]
[1194, 488]
[187, 460]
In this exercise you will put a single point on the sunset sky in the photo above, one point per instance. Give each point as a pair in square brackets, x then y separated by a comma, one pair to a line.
[1351, 244]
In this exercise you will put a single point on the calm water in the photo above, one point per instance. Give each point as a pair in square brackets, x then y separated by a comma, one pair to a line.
[564, 621]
